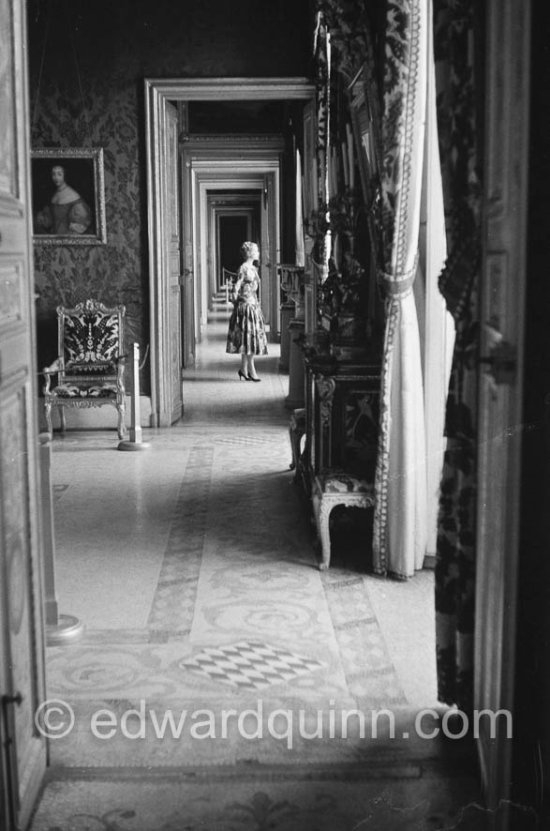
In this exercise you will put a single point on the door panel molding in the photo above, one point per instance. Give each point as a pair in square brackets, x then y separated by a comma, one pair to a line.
[22, 681]
[173, 265]
[501, 396]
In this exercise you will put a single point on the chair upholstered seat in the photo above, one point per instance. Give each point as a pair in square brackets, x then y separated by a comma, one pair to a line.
[88, 370]
[95, 391]
[90, 362]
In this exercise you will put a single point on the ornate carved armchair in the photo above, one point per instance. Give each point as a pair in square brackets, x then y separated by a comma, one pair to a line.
[90, 363]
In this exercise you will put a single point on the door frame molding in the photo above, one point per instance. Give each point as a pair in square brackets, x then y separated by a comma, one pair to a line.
[158, 93]
[506, 179]
[23, 747]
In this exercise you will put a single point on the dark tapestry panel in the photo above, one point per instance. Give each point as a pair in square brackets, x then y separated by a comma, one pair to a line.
[457, 31]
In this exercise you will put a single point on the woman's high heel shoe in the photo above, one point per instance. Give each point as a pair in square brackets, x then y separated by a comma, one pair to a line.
[250, 378]
[243, 376]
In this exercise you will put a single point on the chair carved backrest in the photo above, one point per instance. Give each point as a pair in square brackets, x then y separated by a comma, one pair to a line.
[90, 340]
[90, 364]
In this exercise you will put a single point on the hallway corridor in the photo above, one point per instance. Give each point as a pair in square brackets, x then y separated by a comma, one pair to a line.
[217, 655]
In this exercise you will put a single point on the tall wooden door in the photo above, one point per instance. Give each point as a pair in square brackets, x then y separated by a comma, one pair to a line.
[188, 267]
[270, 254]
[506, 151]
[23, 748]
[173, 265]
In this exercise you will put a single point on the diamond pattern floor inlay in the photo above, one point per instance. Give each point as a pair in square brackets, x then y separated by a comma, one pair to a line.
[250, 665]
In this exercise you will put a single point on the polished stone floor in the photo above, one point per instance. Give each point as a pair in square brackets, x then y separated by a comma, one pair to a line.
[215, 650]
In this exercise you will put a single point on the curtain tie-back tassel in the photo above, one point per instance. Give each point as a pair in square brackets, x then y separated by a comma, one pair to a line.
[398, 285]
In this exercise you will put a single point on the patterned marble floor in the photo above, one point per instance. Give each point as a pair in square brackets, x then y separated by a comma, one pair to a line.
[300, 803]
[193, 569]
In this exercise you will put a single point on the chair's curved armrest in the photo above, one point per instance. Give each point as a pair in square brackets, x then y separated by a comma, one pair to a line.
[50, 370]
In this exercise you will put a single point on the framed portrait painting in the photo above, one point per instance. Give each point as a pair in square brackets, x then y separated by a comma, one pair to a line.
[68, 196]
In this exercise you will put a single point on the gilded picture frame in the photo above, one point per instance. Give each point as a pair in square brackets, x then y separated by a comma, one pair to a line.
[68, 196]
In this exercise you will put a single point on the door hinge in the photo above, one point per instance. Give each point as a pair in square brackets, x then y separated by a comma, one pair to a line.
[12, 699]
[501, 362]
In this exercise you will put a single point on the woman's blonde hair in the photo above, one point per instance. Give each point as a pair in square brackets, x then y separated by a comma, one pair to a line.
[246, 248]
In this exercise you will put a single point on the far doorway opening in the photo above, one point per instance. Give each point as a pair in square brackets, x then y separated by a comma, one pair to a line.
[233, 231]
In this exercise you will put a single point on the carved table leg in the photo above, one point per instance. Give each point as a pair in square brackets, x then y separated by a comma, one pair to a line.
[48, 415]
[321, 511]
[324, 533]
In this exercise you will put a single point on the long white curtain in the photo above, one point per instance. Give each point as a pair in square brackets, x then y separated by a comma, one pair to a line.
[437, 328]
[399, 541]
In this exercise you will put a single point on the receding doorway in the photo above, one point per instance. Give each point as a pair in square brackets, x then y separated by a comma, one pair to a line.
[163, 97]
[233, 229]
[233, 217]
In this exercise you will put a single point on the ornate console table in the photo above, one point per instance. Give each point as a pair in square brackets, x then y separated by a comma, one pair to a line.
[334, 438]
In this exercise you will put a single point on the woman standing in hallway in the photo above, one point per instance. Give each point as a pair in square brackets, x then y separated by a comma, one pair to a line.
[246, 334]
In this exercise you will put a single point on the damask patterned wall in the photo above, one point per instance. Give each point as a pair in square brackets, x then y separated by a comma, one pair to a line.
[87, 65]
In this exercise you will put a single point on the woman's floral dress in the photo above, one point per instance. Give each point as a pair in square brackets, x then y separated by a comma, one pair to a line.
[246, 325]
